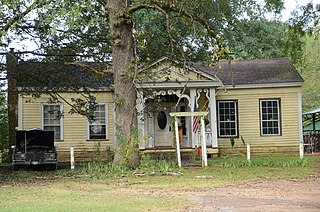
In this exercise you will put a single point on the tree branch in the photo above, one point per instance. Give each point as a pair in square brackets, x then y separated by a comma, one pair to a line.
[17, 17]
[81, 36]
[67, 102]
[165, 8]
[91, 69]
[48, 55]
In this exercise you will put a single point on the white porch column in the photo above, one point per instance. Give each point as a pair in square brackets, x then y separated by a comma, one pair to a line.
[213, 117]
[140, 116]
[194, 136]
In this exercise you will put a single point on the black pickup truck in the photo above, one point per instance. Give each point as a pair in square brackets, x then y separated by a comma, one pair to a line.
[36, 148]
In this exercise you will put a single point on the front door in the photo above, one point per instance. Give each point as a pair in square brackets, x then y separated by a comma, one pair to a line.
[163, 130]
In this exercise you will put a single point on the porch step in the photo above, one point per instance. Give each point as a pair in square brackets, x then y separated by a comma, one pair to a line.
[173, 150]
[191, 165]
[186, 153]
[213, 151]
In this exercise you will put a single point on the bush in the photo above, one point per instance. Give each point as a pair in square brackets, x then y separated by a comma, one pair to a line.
[271, 161]
[161, 164]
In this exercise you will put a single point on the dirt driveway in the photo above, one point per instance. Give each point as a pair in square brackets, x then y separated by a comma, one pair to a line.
[270, 195]
[281, 195]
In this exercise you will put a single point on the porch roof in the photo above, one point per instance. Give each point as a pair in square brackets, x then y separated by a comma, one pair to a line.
[167, 73]
[317, 110]
[312, 119]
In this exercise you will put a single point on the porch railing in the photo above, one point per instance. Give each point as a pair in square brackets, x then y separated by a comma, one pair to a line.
[311, 140]
[208, 139]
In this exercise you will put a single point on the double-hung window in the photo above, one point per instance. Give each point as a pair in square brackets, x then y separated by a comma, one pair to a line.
[270, 117]
[52, 119]
[97, 123]
[228, 118]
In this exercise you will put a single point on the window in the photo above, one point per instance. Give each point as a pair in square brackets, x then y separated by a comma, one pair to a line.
[270, 116]
[162, 120]
[52, 119]
[227, 118]
[97, 125]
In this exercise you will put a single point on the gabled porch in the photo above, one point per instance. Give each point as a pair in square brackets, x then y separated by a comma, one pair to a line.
[171, 87]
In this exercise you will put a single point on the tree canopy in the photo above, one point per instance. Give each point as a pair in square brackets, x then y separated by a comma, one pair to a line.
[185, 29]
[252, 39]
[310, 70]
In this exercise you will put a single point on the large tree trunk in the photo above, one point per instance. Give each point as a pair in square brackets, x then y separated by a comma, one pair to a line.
[12, 97]
[121, 36]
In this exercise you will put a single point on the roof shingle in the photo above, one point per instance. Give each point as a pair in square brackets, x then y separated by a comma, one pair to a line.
[260, 71]
[61, 75]
[57, 75]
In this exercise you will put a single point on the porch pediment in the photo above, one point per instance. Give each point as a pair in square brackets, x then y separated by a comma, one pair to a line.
[165, 70]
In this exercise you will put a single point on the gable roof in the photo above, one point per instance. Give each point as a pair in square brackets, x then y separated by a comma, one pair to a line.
[165, 69]
[78, 75]
[260, 71]
[62, 75]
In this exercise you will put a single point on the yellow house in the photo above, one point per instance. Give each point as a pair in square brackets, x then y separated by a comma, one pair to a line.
[258, 101]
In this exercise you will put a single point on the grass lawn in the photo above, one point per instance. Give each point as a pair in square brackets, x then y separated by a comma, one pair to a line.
[104, 188]
[72, 195]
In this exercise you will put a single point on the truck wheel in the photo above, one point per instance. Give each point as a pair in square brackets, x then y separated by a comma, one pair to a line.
[15, 167]
[52, 167]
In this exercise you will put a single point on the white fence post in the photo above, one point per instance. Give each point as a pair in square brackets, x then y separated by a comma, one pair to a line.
[72, 157]
[248, 152]
[204, 144]
[177, 140]
[301, 150]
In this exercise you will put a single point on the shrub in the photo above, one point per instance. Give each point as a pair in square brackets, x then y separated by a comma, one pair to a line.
[270, 161]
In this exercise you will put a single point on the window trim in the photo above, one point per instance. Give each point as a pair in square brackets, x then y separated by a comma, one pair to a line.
[107, 124]
[61, 120]
[279, 116]
[236, 117]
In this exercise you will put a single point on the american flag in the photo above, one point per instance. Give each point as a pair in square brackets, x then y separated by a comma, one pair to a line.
[195, 125]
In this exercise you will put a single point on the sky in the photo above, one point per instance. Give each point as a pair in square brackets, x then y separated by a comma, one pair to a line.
[290, 5]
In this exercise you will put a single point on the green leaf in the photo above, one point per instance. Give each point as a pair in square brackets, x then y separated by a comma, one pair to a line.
[232, 141]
